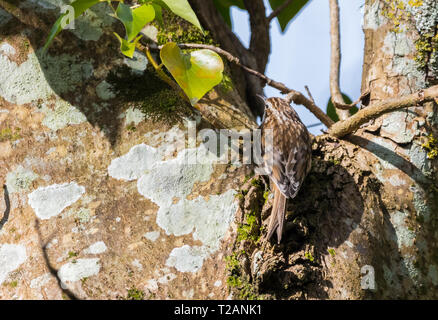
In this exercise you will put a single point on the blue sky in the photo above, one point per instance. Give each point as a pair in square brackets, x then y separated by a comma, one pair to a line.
[301, 56]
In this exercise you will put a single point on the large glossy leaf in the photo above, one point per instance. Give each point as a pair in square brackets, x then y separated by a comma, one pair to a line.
[196, 72]
[183, 9]
[224, 8]
[289, 13]
[331, 112]
[134, 20]
[158, 14]
[79, 7]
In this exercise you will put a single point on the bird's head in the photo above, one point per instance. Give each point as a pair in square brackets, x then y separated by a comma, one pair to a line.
[276, 104]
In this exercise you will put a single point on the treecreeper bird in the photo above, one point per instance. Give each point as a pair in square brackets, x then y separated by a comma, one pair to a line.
[290, 154]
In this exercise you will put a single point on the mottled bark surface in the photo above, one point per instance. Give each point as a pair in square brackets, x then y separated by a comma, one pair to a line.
[370, 201]
[100, 202]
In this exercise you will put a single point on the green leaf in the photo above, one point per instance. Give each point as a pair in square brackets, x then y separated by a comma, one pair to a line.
[331, 112]
[158, 14]
[196, 72]
[79, 7]
[289, 13]
[224, 8]
[183, 9]
[134, 20]
[127, 47]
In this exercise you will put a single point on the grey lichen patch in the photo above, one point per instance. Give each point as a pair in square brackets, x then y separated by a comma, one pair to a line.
[426, 22]
[187, 258]
[64, 72]
[395, 126]
[424, 211]
[138, 63]
[425, 15]
[433, 274]
[20, 180]
[4, 17]
[152, 236]
[134, 164]
[407, 67]
[40, 78]
[405, 236]
[7, 49]
[396, 181]
[62, 115]
[167, 142]
[84, 215]
[372, 17]
[49, 201]
[91, 25]
[40, 281]
[176, 176]
[418, 157]
[103, 91]
[79, 269]
[399, 44]
[96, 248]
[208, 220]
[164, 181]
[11, 257]
[151, 32]
[134, 116]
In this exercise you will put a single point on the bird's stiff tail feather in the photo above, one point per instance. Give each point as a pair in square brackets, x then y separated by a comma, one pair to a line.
[277, 214]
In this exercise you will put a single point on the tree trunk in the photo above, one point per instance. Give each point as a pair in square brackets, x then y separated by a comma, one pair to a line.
[100, 202]
[364, 224]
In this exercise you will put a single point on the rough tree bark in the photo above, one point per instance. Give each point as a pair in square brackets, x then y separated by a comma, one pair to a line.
[99, 202]
[369, 205]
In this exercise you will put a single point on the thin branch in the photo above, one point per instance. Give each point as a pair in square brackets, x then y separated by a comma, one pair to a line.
[335, 63]
[292, 95]
[338, 129]
[342, 128]
[280, 9]
[298, 98]
[314, 125]
[247, 85]
[309, 93]
[260, 42]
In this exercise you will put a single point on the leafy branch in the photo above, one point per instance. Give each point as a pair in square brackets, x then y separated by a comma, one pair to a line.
[198, 71]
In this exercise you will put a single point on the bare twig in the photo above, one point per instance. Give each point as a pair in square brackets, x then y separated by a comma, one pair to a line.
[309, 93]
[277, 11]
[260, 42]
[247, 85]
[342, 128]
[299, 98]
[335, 46]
